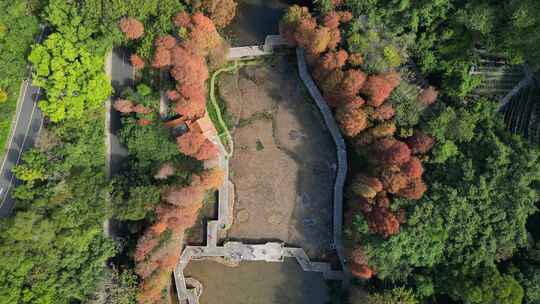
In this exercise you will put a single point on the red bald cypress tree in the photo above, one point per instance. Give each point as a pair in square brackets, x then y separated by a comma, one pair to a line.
[212, 179]
[394, 181]
[221, 12]
[143, 122]
[391, 152]
[384, 112]
[335, 38]
[142, 109]
[132, 28]
[414, 190]
[190, 142]
[331, 20]
[188, 67]
[182, 19]
[413, 168]
[378, 88]
[420, 143]
[124, 106]
[136, 61]
[352, 82]
[356, 59]
[167, 42]
[329, 62]
[383, 222]
[173, 95]
[207, 151]
[428, 96]
[351, 119]
[162, 57]
[189, 110]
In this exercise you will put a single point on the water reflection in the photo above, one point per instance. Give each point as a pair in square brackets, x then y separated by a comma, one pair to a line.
[258, 283]
[254, 20]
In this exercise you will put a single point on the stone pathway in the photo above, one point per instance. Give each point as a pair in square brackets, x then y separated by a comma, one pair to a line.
[246, 52]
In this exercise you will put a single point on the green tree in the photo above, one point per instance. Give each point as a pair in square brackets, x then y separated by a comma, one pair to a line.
[33, 168]
[486, 287]
[118, 287]
[148, 144]
[140, 201]
[72, 76]
[399, 295]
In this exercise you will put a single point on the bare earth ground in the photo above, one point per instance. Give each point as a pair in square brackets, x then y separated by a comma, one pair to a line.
[258, 283]
[283, 165]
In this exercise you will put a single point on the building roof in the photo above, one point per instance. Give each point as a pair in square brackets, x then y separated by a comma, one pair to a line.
[203, 125]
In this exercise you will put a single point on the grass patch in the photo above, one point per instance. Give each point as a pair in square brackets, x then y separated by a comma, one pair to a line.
[244, 122]
[215, 109]
[259, 145]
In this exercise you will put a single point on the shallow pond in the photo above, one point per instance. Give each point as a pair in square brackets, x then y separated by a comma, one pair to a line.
[258, 283]
[257, 18]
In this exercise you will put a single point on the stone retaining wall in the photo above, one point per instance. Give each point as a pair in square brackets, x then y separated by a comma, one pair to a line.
[269, 252]
[341, 150]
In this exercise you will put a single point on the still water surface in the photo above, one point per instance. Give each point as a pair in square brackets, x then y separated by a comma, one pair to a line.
[258, 283]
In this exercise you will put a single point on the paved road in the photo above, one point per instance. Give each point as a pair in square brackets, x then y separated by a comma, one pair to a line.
[121, 77]
[28, 122]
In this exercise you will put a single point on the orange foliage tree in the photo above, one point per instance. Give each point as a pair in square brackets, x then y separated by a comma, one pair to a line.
[414, 189]
[383, 222]
[136, 61]
[124, 106]
[158, 250]
[413, 168]
[131, 27]
[331, 20]
[384, 112]
[391, 152]
[208, 150]
[221, 12]
[378, 88]
[352, 120]
[190, 142]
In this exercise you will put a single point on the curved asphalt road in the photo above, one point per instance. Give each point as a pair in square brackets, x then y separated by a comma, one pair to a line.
[29, 120]
[121, 78]
[24, 131]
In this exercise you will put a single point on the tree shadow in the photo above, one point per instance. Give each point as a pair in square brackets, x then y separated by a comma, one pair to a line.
[299, 286]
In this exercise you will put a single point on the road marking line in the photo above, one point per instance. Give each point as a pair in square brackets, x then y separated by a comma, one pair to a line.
[22, 104]
[22, 147]
[14, 127]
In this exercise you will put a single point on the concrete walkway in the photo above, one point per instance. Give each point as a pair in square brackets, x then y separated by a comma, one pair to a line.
[248, 52]
[272, 251]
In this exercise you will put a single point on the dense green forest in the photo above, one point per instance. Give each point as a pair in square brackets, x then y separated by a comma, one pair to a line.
[54, 249]
[442, 200]
[18, 29]
[444, 34]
